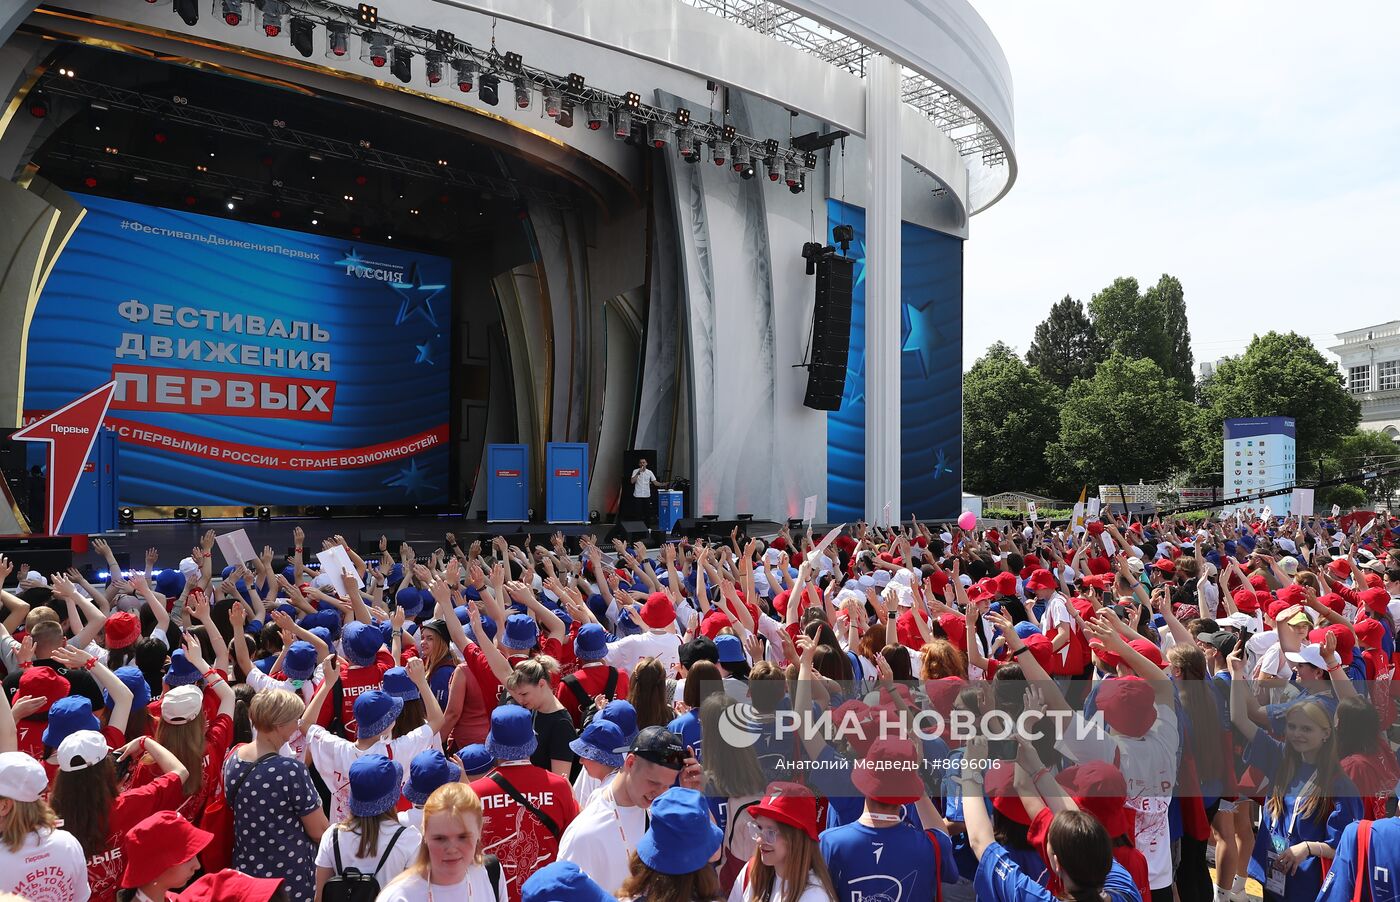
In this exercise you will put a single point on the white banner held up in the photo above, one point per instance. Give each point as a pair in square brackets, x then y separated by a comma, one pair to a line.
[1336, 510]
[237, 547]
[1094, 507]
[885, 515]
[1031, 509]
[1302, 505]
[809, 509]
[826, 540]
[333, 564]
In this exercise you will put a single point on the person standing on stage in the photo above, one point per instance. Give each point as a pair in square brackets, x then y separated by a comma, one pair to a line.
[643, 496]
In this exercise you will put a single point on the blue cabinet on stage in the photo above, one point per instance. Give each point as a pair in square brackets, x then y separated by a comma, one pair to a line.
[670, 509]
[508, 483]
[566, 482]
[94, 506]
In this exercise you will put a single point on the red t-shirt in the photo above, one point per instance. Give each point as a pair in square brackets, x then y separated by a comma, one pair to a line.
[220, 735]
[485, 677]
[355, 681]
[164, 793]
[593, 679]
[511, 832]
[1375, 777]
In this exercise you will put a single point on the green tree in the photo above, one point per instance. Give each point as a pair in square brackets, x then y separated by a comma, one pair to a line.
[1279, 375]
[1347, 497]
[1168, 297]
[1123, 425]
[1066, 346]
[1360, 451]
[1130, 323]
[1010, 413]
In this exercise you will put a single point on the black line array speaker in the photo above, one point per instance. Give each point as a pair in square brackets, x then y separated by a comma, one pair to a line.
[831, 334]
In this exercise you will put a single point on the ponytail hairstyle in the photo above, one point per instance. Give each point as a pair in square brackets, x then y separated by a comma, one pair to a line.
[1080, 853]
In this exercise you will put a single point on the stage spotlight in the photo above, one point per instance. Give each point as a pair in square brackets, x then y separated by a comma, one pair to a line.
[774, 171]
[402, 66]
[196, 515]
[302, 31]
[791, 173]
[551, 102]
[374, 48]
[125, 516]
[660, 133]
[337, 39]
[746, 172]
[90, 182]
[740, 155]
[466, 74]
[717, 152]
[187, 10]
[490, 90]
[231, 10]
[574, 83]
[597, 114]
[248, 512]
[325, 512]
[432, 66]
[801, 184]
[513, 62]
[632, 100]
[728, 133]
[685, 140]
[810, 161]
[273, 12]
[566, 114]
[367, 15]
[522, 92]
[264, 513]
[691, 152]
[181, 513]
[38, 105]
[683, 116]
[622, 128]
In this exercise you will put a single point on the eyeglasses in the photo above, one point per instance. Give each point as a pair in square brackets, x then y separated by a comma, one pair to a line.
[762, 834]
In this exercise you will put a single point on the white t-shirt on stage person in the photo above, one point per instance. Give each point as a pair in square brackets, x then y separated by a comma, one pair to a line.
[641, 483]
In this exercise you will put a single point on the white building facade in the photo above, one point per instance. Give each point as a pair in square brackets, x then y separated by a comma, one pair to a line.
[1370, 362]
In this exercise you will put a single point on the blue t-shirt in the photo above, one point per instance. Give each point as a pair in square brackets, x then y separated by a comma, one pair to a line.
[687, 727]
[897, 862]
[1000, 879]
[1382, 864]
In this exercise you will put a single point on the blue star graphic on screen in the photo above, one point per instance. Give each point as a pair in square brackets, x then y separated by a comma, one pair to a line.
[855, 381]
[940, 465]
[417, 297]
[412, 480]
[920, 333]
[352, 258]
[425, 354]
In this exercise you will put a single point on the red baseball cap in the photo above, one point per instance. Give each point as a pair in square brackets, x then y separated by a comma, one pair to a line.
[1341, 568]
[789, 803]
[44, 682]
[997, 782]
[1166, 565]
[159, 843]
[1128, 705]
[1148, 650]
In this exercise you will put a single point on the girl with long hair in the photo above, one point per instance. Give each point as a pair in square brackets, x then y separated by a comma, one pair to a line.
[734, 782]
[941, 658]
[35, 855]
[646, 690]
[1311, 801]
[787, 863]
[1210, 752]
[370, 840]
[449, 863]
[1365, 756]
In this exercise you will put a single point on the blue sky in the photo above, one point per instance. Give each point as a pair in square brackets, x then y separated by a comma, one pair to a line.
[1250, 149]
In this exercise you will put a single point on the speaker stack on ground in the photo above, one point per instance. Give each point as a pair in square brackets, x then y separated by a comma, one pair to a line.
[831, 332]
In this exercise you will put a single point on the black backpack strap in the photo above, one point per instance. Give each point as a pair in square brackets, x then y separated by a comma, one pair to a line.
[335, 846]
[610, 690]
[576, 687]
[232, 794]
[493, 870]
[387, 849]
[523, 802]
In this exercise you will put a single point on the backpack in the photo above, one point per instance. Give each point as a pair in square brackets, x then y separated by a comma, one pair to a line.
[586, 709]
[350, 884]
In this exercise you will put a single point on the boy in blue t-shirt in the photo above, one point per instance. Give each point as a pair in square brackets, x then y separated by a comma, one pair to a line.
[883, 855]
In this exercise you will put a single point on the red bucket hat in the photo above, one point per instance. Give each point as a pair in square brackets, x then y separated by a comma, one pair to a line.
[123, 628]
[159, 843]
[889, 773]
[658, 612]
[1099, 788]
[1128, 705]
[997, 780]
[789, 803]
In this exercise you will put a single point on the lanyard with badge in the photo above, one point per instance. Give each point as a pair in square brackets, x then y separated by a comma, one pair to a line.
[1278, 843]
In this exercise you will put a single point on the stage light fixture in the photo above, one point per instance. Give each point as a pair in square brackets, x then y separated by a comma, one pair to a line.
[402, 65]
[522, 92]
[810, 161]
[622, 126]
[248, 512]
[574, 83]
[683, 116]
[374, 48]
[659, 131]
[303, 32]
[774, 170]
[512, 61]
[728, 133]
[229, 205]
[231, 10]
[685, 140]
[594, 517]
[432, 66]
[90, 182]
[791, 173]
[188, 11]
[566, 114]
[739, 153]
[597, 114]
[337, 39]
[490, 89]
[717, 152]
[181, 513]
[125, 516]
[746, 172]
[273, 13]
[196, 515]
[466, 74]
[325, 512]
[691, 152]
[632, 100]
[38, 105]
[551, 102]
[801, 184]
[367, 15]
[770, 148]
[264, 513]
[445, 41]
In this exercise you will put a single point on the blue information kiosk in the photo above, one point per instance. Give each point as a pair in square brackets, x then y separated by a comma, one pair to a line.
[508, 483]
[566, 482]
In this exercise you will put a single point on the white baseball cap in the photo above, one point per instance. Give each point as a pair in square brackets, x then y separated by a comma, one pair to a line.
[1308, 654]
[81, 750]
[21, 777]
[181, 704]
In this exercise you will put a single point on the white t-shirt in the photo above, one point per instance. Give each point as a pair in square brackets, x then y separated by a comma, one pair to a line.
[333, 756]
[1149, 766]
[601, 839]
[642, 481]
[400, 856]
[813, 892]
[49, 867]
[586, 786]
[295, 746]
[625, 653]
[476, 886]
[413, 817]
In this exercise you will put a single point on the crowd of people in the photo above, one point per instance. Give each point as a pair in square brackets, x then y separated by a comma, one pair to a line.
[1121, 709]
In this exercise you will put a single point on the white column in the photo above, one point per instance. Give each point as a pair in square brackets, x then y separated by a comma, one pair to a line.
[882, 289]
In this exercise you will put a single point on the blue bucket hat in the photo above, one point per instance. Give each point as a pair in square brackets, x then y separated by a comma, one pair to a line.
[67, 716]
[564, 616]
[521, 632]
[360, 642]
[300, 660]
[464, 616]
[591, 643]
[398, 684]
[133, 679]
[731, 650]
[410, 599]
[488, 626]
[1026, 628]
[320, 632]
[600, 741]
[512, 736]
[562, 881]
[181, 672]
[621, 712]
[375, 712]
[375, 785]
[428, 770]
[475, 759]
[170, 582]
[224, 574]
[681, 838]
[395, 575]
[330, 620]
